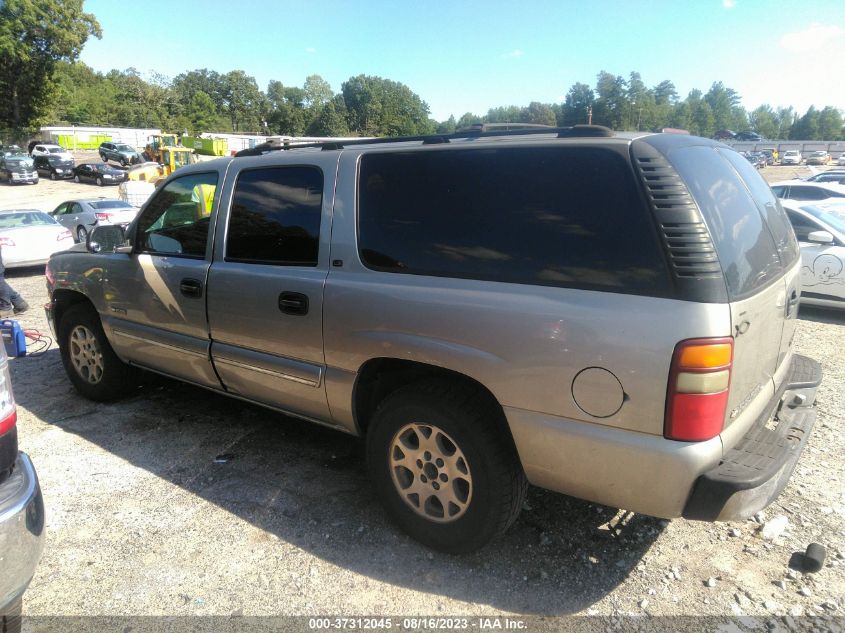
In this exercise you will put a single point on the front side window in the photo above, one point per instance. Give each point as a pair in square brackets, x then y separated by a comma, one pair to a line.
[553, 216]
[177, 220]
[275, 216]
[803, 227]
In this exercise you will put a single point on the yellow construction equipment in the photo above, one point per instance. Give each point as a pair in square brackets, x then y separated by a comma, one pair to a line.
[164, 155]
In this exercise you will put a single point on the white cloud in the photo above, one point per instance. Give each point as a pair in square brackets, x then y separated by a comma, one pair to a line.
[310, 50]
[513, 54]
[729, 4]
[813, 38]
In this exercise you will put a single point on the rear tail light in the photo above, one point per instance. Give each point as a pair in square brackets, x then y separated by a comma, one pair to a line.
[64, 235]
[7, 241]
[8, 412]
[697, 395]
[103, 217]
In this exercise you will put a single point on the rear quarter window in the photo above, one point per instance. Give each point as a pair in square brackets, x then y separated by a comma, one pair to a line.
[745, 246]
[560, 216]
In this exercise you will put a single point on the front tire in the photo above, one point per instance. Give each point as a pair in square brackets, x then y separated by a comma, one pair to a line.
[53, 175]
[76, 178]
[99, 181]
[444, 466]
[88, 359]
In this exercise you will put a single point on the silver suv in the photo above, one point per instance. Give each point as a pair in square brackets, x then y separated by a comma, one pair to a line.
[608, 317]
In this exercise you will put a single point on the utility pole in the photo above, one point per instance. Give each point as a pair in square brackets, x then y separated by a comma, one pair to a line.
[589, 115]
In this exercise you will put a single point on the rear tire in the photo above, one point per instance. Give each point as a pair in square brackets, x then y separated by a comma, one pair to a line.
[76, 178]
[53, 175]
[81, 234]
[99, 181]
[90, 363]
[433, 442]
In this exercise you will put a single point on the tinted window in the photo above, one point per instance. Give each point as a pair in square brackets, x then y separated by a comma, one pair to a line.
[770, 207]
[779, 191]
[803, 227]
[176, 220]
[807, 193]
[275, 216]
[745, 247]
[548, 216]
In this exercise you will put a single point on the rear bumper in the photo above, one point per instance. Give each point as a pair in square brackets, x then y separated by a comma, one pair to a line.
[755, 471]
[21, 530]
[651, 475]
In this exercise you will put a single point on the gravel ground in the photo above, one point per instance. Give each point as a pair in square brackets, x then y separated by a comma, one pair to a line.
[143, 521]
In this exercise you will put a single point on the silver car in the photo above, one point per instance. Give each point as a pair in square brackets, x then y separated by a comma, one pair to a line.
[81, 216]
[607, 316]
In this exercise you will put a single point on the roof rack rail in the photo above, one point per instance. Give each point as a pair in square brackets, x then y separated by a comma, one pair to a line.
[525, 129]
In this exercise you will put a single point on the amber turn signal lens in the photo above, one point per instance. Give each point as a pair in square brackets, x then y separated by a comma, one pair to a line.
[705, 356]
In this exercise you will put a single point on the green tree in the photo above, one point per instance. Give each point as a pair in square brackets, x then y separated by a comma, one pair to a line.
[784, 117]
[725, 107]
[34, 36]
[830, 124]
[611, 101]
[202, 113]
[448, 126]
[318, 92]
[505, 114]
[539, 114]
[330, 121]
[379, 107]
[241, 100]
[578, 101]
[763, 120]
[467, 119]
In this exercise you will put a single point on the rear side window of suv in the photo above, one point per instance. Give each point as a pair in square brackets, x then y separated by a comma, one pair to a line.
[745, 247]
[559, 216]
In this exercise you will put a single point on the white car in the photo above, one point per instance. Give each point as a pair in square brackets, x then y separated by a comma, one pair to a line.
[791, 157]
[841, 159]
[820, 229]
[28, 237]
[804, 191]
[49, 149]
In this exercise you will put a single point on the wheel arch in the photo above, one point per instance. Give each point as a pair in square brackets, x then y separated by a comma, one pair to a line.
[380, 377]
[62, 300]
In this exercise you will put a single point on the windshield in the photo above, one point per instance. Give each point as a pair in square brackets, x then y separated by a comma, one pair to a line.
[181, 158]
[24, 218]
[834, 216]
[124, 148]
[110, 204]
[55, 150]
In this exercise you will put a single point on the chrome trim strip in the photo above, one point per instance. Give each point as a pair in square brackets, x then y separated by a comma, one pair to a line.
[159, 344]
[268, 372]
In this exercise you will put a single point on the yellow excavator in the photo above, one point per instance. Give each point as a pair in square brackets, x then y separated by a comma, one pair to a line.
[164, 155]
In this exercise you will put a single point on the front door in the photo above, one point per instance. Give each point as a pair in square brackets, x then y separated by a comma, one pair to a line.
[155, 297]
[265, 287]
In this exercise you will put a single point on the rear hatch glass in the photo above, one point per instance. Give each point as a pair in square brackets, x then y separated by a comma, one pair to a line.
[752, 254]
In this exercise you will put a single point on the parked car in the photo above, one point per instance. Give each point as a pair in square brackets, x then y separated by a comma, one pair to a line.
[80, 216]
[820, 229]
[28, 237]
[54, 165]
[385, 307]
[748, 135]
[760, 158]
[818, 157]
[21, 510]
[724, 135]
[17, 169]
[841, 159]
[10, 149]
[47, 149]
[791, 157]
[755, 160]
[807, 191]
[99, 173]
[120, 152]
[770, 156]
[834, 176]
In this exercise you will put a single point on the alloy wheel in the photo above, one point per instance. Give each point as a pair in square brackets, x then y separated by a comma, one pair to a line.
[86, 355]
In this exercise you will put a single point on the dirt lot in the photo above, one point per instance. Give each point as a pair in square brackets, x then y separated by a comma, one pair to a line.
[143, 521]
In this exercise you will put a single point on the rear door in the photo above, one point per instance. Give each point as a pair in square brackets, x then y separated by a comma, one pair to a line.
[751, 265]
[265, 288]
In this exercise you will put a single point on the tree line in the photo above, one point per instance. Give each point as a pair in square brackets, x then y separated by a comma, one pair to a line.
[41, 83]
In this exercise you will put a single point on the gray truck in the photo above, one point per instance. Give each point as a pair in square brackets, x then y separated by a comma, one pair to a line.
[607, 316]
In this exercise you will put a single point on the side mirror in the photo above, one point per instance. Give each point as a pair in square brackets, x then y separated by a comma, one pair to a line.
[820, 237]
[105, 239]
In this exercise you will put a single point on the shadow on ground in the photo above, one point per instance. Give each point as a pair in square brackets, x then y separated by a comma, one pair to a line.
[302, 482]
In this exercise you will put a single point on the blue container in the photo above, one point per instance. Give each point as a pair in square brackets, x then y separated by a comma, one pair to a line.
[13, 338]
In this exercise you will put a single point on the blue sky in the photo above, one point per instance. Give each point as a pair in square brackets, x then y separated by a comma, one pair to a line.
[466, 56]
